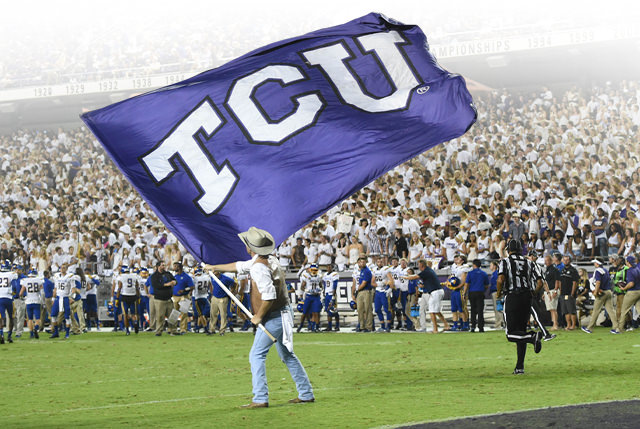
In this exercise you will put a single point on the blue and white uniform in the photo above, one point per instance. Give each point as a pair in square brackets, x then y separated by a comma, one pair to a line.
[330, 281]
[312, 288]
[383, 293]
[128, 290]
[6, 294]
[33, 288]
[64, 283]
[91, 294]
[201, 291]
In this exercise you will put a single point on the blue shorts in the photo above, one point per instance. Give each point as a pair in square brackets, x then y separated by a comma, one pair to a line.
[456, 302]
[33, 311]
[128, 304]
[328, 299]
[57, 304]
[6, 307]
[312, 304]
[91, 304]
[201, 307]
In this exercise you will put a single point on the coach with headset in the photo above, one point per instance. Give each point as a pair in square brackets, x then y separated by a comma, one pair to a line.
[518, 280]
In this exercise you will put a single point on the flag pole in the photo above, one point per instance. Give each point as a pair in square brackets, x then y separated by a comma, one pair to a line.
[240, 305]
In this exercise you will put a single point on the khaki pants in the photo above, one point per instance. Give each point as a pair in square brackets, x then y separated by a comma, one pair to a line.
[218, 306]
[619, 301]
[499, 316]
[365, 310]
[163, 310]
[603, 300]
[184, 317]
[48, 305]
[21, 314]
[411, 301]
[76, 308]
[631, 298]
[152, 313]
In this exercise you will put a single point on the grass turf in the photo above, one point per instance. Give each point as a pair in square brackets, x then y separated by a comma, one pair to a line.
[364, 380]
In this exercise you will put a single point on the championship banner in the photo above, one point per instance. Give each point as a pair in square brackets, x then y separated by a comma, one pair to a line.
[278, 136]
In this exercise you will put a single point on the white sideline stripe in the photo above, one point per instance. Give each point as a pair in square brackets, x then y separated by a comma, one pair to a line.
[166, 401]
[503, 413]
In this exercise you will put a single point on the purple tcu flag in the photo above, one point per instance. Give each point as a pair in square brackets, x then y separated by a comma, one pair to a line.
[278, 136]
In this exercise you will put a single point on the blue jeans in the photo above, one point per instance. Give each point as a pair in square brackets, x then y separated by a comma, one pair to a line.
[258, 357]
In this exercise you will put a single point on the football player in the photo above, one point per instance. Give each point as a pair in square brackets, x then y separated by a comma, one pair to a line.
[398, 272]
[128, 294]
[330, 281]
[118, 322]
[201, 292]
[61, 311]
[143, 302]
[454, 284]
[312, 286]
[460, 269]
[31, 288]
[6, 300]
[385, 285]
[91, 300]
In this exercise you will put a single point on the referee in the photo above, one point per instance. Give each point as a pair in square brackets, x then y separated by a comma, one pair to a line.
[518, 279]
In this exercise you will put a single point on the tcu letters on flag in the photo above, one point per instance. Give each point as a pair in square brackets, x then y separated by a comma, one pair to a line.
[278, 136]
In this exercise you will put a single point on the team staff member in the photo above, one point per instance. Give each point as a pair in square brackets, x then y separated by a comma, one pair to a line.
[363, 289]
[632, 289]
[219, 303]
[477, 282]
[518, 278]
[568, 287]
[270, 302]
[431, 286]
[181, 291]
[603, 297]
[163, 283]
[47, 287]
[619, 274]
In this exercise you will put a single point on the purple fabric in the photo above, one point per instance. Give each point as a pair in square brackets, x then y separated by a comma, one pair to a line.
[283, 184]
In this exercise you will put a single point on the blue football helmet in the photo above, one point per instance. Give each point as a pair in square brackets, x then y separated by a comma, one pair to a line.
[300, 306]
[6, 265]
[32, 272]
[353, 305]
[16, 267]
[124, 269]
[198, 272]
[453, 281]
[332, 311]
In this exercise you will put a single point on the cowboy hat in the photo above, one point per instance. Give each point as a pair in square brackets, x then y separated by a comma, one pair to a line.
[258, 241]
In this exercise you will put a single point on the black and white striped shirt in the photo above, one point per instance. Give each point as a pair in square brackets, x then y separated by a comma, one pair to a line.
[519, 273]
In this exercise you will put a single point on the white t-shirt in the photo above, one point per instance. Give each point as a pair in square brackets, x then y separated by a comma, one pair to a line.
[261, 274]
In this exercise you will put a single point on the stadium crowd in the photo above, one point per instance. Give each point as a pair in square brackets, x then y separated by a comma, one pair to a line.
[122, 45]
[557, 171]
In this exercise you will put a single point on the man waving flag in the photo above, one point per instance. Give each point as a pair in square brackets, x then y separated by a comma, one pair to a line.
[292, 129]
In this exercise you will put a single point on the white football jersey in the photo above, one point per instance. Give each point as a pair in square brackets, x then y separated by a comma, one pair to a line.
[397, 273]
[128, 283]
[380, 274]
[202, 284]
[313, 284]
[5, 284]
[141, 285]
[64, 284]
[92, 288]
[33, 286]
[329, 281]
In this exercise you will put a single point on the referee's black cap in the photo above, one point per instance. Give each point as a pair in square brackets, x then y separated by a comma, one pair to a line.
[514, 246]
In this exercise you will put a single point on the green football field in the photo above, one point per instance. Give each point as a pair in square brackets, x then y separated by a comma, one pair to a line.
[360, 380]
